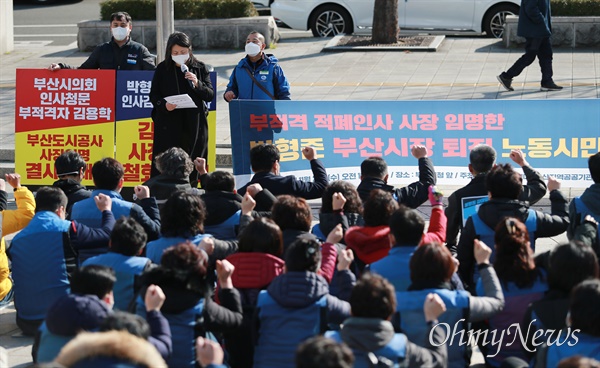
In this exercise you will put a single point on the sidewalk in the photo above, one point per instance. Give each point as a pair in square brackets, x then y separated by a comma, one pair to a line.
[463, 68]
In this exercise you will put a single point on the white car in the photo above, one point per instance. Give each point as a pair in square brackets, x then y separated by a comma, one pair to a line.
[328, 18]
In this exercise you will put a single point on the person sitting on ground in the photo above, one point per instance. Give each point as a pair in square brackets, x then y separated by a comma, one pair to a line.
[566, 265]
[257, 263]
[44, 254]
[12, 221]
[330, 216]
[406, 233]
[584, 319]
[175, 167]
[322, 352]
[108, 175]
[295, 306]
[84, 309]
[522, 283]
[293, 216]
[264, 159]
[505, 186]
[370, 332]
[188, 307]
[481, 160]
[431, 268]
[224, 205]
[183, 220]
[70, 168]
[587, 204]
[127, 242]
[374, 175]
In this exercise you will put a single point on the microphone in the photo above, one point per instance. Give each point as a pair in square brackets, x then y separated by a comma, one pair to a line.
[184, 69]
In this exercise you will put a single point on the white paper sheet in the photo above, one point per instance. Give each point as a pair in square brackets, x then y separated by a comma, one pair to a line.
[183, 101]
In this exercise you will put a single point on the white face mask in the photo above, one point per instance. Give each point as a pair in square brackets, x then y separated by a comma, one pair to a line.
[252, 49]
[119, 33]
[181, 58]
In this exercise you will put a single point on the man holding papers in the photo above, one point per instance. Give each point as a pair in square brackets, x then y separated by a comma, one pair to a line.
[180, 86]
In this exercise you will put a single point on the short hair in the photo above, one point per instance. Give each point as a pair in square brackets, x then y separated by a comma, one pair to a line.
[174, 162]
[432, 262]
[578, 361]
[219, 180]
[584, 311]
[120, 16]
[128, 237]
[407, 226]
[373, 297]
[189, 265]
[379, 207]
[263, 156]
[594, 166]
[107, 173]
[291, 212]
[482, 158]
[514, 257]
[503, 182]
[69, 163]
[123, 321]
[183, 214]
[259, 35]
[263, 236]
[93, 279]
[569, 264]
[50, 199]
[322, 352]
[374, 167]
[303, 255]
[353, 202]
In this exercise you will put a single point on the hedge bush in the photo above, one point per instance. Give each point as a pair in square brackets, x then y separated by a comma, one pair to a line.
[575, 8]
[182, 9]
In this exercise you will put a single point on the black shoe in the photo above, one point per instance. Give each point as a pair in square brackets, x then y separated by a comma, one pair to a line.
[550, 86]
[505, 82]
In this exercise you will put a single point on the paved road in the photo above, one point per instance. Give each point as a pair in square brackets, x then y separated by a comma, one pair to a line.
[52, 24]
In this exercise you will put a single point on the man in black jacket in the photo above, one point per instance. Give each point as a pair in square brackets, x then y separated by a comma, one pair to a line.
[374, 175]
[264, 159]
[482, 158]
[70, 168]
[120, 53]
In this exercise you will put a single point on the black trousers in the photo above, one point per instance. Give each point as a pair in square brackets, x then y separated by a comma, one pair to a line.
[535, 47]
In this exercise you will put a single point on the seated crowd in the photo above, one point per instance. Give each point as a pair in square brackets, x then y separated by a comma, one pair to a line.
[219, 277]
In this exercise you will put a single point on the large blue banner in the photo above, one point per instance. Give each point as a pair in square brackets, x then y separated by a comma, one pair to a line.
[556, 136]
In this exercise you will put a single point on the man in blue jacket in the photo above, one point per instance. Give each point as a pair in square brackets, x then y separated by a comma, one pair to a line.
[535, 24]
[108, 175]
[44, 254]
[258, 76]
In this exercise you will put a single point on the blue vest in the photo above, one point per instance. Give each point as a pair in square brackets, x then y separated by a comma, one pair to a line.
[155, 248]
[316, 230]
[583, 211]
[587, 346]
[282, 329]
[126, 269]
[183, 333]
[395, 350]
[486, 234]
[226, 229]
[38, 265]
[87, 213]
[412, 321]
[50, 344]
[395, 267]
[516, 303]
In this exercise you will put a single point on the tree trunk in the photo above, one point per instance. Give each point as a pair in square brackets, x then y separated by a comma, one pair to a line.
[385, 21]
